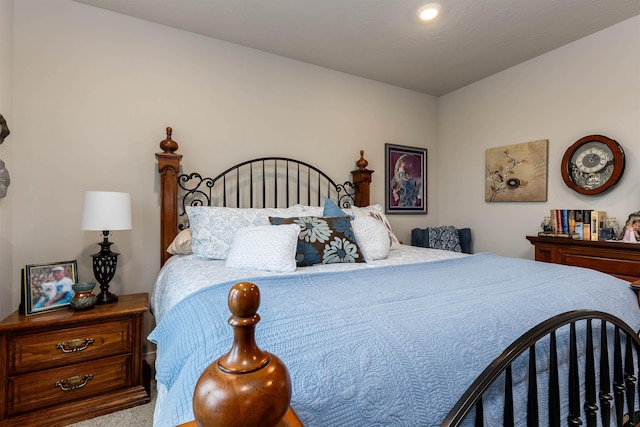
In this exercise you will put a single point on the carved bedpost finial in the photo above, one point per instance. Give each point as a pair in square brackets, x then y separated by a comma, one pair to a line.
[244, 300]
[168, 145]
[362, 179]
[362, 163]
[246, 387]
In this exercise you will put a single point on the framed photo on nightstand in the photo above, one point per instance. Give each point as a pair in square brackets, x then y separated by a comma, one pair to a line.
[47, 287]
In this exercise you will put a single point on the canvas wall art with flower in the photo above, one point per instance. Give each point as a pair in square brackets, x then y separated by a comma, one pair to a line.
[517, 172]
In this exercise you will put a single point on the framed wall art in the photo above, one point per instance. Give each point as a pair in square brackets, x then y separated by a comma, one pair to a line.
[5, 180]
[405, 179]
[517, 172]
[4, 129]
[47, 287]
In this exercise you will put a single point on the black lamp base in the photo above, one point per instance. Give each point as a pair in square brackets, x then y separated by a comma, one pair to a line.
[104, 268]
[106, 297]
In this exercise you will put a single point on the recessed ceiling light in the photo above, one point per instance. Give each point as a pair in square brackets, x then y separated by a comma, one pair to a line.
[429, 12]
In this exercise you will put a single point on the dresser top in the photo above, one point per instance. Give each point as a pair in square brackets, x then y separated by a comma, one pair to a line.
[565, 241]
[126, 305]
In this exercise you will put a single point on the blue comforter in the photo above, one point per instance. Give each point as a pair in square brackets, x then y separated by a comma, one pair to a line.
[385, 346]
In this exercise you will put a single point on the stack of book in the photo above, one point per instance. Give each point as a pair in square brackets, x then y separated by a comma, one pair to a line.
[576, 224]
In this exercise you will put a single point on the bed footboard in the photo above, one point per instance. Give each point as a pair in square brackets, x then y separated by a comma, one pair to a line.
[616, 400]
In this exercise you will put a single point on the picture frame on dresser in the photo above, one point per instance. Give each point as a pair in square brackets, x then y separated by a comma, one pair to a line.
[47, 287]
[405, 179]
[630, 230]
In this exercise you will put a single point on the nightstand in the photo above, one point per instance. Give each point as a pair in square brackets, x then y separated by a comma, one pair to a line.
[66, 366]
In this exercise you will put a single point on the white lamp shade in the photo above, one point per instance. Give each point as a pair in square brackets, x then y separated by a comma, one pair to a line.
[106, 210]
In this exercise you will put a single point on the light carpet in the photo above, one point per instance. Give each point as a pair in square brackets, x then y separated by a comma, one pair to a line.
[138, 416]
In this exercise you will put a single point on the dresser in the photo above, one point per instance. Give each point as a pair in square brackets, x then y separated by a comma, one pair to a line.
[65, 366]
[616, 258]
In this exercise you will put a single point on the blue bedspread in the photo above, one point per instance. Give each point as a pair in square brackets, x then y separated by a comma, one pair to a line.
[388, 346]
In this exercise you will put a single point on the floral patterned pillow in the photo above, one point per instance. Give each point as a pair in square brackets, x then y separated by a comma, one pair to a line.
[323, 240]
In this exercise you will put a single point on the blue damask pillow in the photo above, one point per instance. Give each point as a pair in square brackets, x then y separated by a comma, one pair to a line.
[324, 240]
[420, 237]
[445, 237]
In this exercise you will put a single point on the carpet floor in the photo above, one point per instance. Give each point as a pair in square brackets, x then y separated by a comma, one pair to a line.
[138, 416]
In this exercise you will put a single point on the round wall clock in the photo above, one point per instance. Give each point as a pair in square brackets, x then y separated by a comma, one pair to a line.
[593, 164]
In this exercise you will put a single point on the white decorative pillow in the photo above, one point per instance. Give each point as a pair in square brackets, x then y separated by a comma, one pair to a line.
[267, 247]
[305, 210]
[181, 245]
[372, 237]
[377, 212]
[213, 228]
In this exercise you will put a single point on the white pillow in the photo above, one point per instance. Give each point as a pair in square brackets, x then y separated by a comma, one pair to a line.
[377, 212]
[372, 237]
[181, 245]
[267, 247]
[305, 210]
[213, 228]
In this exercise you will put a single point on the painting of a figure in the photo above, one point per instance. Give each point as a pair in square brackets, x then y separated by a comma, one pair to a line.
[406, 179]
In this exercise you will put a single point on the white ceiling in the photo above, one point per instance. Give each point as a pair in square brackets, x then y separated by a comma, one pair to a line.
[382, 39]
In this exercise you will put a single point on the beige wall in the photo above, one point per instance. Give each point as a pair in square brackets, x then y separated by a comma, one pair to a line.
[94, 90]
[7, 285]
[591, 86]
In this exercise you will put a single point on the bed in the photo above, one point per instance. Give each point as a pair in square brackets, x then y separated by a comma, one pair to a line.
[413, 337]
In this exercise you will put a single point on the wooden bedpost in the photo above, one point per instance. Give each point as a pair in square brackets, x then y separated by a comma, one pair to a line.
[169, 168]
[362, 178]
[247, 386]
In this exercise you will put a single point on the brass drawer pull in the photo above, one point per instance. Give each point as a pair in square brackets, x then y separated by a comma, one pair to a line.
[74, 345]
[73, 383]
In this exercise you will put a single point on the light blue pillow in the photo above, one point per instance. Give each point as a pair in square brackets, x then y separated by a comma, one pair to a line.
[214, 228]
[332, 210]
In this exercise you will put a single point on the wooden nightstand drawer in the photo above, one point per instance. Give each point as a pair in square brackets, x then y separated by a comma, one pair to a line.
[45, 350]
[55, 386]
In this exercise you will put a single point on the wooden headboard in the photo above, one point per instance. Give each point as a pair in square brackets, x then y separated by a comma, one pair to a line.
[305, 184]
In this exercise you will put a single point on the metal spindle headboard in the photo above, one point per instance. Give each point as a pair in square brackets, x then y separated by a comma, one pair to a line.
[260, 183]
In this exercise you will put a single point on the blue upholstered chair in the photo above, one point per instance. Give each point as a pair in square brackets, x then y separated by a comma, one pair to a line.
[445, 237]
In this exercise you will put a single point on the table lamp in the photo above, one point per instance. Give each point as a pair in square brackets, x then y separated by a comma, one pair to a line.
[106, 211]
